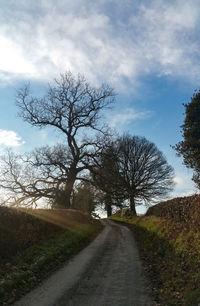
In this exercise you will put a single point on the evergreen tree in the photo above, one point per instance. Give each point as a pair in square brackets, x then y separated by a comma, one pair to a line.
[189, 147]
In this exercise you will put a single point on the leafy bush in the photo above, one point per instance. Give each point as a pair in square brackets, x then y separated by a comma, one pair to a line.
[185, 210]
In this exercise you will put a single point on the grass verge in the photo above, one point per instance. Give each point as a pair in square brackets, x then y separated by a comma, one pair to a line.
[30, 266]
[171, 255]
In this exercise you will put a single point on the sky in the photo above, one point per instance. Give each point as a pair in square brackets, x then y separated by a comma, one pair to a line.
[148, 51]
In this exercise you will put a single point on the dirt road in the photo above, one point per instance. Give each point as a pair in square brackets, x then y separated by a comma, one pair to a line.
[107, 273]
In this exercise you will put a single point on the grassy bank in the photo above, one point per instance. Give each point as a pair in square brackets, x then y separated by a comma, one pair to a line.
[171, 254]
[56, 236]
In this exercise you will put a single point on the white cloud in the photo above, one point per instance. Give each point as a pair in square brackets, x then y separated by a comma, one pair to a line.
[179, 180]
[184, 186]
[167, 37]
[13, 64]
[43, 39]
[127, 116]
[10, 138]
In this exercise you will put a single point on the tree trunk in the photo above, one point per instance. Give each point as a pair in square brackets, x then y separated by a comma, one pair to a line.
[63, 197]
[67, 200]
[109, 209]
[108, 205]
[132, 206]
[69, 191]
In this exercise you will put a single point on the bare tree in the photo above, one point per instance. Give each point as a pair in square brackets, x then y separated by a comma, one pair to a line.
[145, 172]
[36, 175]
[72, 107]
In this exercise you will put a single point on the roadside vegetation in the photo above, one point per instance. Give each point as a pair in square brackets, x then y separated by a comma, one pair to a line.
[170, 251]
[34, 243]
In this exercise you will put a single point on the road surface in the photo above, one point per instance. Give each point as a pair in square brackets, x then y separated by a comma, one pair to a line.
[106, 273]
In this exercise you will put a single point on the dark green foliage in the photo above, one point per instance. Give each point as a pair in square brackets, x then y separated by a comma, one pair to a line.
[192, 298]
[84, 197]
[189, 148]
[106, 177]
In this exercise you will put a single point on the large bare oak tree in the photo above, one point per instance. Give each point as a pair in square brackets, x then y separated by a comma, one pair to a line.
[145, 172]
[73, 107]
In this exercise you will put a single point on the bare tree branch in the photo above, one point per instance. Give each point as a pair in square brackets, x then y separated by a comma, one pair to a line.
[72, 107]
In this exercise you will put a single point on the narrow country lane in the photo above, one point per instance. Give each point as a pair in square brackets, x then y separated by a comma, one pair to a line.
[107, 273]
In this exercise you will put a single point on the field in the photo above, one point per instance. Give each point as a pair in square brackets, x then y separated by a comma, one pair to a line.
[36, 242]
